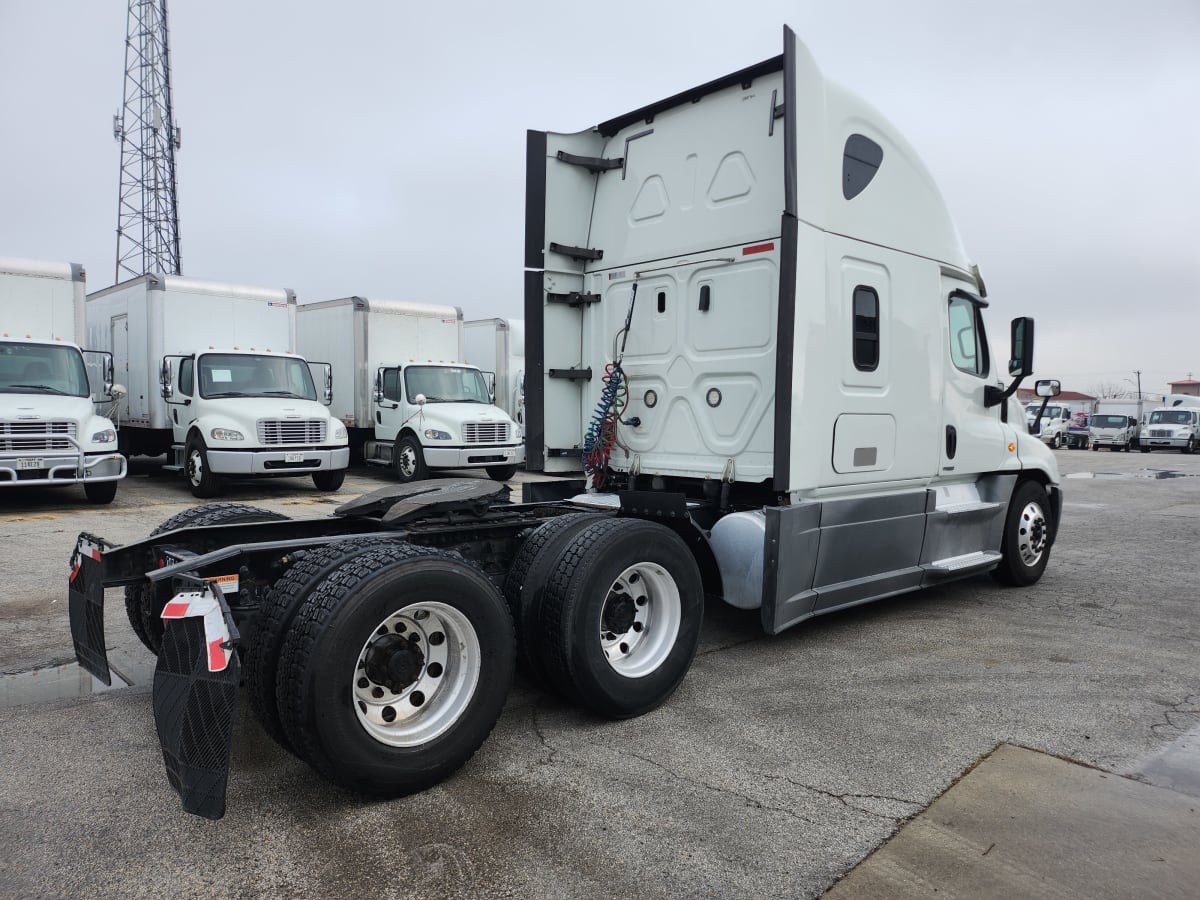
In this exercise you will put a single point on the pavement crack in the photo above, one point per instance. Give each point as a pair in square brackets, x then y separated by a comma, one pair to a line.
[846, 798]
[1178, 717]
[720, 789]
[729, 646]
[552, 751]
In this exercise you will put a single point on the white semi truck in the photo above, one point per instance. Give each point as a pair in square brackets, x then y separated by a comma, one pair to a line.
[404, 389]
[50, 432]
[754, 329]
[497, 347]
[213, 381]
[1175, 425]
[1116, 424]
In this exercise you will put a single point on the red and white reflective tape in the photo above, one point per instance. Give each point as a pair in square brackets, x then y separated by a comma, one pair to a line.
[84, 548]
[216, 632]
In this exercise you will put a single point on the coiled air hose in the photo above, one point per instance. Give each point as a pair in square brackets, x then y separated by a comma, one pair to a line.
[601, 432]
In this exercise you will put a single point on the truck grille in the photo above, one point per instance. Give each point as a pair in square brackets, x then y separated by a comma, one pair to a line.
[485, 432]
[1162, 432]
[21, 436]
[291, 431]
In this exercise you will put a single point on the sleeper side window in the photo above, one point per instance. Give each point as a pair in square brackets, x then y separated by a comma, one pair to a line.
[968, 343]
[866, 329]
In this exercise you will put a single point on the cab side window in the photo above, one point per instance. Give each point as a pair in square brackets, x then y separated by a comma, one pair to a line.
[968, 343]
[187, 376]
[391, 385]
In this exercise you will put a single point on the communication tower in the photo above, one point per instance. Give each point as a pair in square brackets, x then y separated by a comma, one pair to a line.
[147, 213]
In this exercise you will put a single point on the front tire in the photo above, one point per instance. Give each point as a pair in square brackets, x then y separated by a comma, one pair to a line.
[1189, 447]
[395, 670]
[1058, 441]
[1025, 547]
[330, 480]
[203, 481]
[501, 473]
[100, 491]
[621, 617]
[409, 459]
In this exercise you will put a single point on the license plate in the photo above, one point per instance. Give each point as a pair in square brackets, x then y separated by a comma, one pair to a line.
[30, 462]
[293, 457]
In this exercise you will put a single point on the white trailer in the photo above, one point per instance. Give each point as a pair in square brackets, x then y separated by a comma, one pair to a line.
[50, 433]
[214, 381]
[497, 347]
[410, 400]
[1174, 425]
[1116, 424]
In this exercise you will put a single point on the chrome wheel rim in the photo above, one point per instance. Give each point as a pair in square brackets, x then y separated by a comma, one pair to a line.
[416, 674]
[1032, 534]
[640, 620]
[408, 461]
[195, 467]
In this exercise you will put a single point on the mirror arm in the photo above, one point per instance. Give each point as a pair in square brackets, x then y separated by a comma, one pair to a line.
[994, 396]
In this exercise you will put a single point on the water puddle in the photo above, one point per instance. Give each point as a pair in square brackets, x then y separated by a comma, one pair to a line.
[1176, 766]
[54, 683]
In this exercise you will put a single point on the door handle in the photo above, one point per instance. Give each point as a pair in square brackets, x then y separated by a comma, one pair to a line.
[951, 441]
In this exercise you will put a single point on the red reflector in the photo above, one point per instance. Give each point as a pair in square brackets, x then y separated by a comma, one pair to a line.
[216, 656]
[758, 248]
[175, 609]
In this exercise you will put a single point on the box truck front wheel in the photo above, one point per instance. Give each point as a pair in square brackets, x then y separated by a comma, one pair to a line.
[1025, 547]
[409, 459]
[100, 491]
[395, 669]
[204, 482]
[501, 473]
[329, 480]
[621, 616]
[143, 602]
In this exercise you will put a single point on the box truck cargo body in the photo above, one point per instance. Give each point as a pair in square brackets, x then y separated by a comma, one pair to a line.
[404, 390]
[497, 347]
[50, 433]
[753, 330]
[214, 381]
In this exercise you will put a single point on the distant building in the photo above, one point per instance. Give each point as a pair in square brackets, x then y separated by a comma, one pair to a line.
[1189, 387]
[1073, 398]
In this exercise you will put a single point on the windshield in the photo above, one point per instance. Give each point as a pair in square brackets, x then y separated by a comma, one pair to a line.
[1110, 421]
[246, 375]
[446, 384]
[42, 369]
[1052, 412]
[1170, 417]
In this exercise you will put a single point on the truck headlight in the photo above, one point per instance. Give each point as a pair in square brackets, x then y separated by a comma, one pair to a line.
[226, 434]
[434, 435]
[107, 436]
[339, 432]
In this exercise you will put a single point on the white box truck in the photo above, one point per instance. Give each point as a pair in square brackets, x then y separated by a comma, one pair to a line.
[214, 381]
[404, 390]
[1116, 424]
[797, 411]
[50, 433]
[1174, 425]
[1055, 424]
[497, 347]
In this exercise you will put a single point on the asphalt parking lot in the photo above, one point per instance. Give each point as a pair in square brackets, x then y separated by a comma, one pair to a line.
[779, 765]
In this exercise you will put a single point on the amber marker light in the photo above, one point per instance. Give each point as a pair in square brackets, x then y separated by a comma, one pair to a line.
[1012, 447]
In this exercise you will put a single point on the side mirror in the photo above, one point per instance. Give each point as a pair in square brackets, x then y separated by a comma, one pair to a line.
[1048, 388]
[329, 387]
[1020, 362]
[165, 378]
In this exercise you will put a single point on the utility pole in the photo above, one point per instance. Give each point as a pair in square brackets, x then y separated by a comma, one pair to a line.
[147, 213]
[1138, 373]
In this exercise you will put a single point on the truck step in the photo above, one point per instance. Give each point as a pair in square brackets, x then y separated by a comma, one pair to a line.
[172, 468]
[957, 564]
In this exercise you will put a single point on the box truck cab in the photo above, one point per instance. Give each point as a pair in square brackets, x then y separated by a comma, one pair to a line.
[1173, 426]
[406, 394]
[50, 432]
[1055, 425]
[213, 381]
[1116, 424]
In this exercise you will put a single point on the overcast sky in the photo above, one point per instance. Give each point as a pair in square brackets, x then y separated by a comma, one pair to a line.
[377, 148]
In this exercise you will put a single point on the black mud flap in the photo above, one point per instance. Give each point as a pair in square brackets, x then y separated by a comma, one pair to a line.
[195, 697]
[85, 601]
